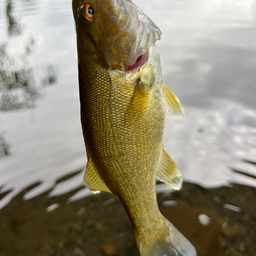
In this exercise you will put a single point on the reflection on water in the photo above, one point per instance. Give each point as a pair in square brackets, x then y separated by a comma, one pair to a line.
[50, 76]
[208, 59]
[4, 146]
[17, 83]
[14, 27]
[16, 80]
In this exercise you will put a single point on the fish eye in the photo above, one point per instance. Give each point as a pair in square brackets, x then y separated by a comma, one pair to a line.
[88, 12]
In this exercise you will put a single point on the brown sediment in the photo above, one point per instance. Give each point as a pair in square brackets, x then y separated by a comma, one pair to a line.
[91, 228]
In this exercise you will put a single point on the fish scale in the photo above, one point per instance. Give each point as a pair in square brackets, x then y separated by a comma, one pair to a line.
[122, 116]
[122, 110]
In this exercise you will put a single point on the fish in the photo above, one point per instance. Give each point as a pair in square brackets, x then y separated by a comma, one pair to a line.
[123, 101]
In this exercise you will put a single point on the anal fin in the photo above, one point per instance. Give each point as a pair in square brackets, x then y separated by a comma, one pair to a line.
[168, 172]
[92, 178]
[173, 102]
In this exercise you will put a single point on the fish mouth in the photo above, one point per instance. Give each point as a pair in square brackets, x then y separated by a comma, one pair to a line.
[126, 37]
[141, 61]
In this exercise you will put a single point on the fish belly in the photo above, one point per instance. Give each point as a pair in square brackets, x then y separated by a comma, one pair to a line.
[123, 127]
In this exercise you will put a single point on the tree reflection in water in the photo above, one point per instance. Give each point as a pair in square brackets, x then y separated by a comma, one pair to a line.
[17, 83]
[14, 28]
[50, 76]
[4, 146]
[18, 89]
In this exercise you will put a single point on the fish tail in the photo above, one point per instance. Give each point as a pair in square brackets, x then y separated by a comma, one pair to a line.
[166, 241]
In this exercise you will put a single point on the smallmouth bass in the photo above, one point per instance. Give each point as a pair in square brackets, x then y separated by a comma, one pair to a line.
[123, 103]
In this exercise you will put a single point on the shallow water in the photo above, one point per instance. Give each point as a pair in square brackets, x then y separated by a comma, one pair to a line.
[208, 56]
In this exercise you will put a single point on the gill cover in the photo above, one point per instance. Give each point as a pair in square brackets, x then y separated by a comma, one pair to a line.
[120, 31]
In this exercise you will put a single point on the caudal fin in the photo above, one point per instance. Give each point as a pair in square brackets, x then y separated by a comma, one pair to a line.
[164, 242]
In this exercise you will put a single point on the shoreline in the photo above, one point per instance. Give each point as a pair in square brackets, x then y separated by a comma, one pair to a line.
[98, 225]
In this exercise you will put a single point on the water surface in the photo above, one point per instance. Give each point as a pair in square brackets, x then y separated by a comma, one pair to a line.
[208, 56]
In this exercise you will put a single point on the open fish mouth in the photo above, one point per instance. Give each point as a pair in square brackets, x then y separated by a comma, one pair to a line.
[127, 34]
[141, 61]
[146, 68]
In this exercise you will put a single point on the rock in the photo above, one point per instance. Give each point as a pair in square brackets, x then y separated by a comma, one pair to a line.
[81, 212]
[232, 252]
[109, 249]
[60, 244]
[78, 252]
[79, 241]
[231, 231]
[103, 229]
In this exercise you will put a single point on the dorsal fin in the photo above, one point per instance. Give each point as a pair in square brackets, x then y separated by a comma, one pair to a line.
[92, 178]
[173, 102]
[168, 172]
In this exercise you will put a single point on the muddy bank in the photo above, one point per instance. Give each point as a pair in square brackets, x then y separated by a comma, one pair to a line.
[99, 226]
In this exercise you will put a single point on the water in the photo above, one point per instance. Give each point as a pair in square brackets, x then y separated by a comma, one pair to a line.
[208, 56]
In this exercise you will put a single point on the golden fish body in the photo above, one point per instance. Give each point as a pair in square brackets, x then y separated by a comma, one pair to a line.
[123, 105]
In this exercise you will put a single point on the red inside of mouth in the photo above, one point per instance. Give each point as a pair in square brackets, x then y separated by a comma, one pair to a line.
[139, 62]
[131, 2]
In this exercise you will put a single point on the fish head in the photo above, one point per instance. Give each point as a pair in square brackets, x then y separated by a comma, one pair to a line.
[117, 30]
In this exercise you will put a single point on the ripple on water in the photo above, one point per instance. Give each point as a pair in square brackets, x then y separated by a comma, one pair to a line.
[208, 59]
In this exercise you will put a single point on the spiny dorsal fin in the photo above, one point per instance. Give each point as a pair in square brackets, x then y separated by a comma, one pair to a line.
[173, 102]
[168, 172]
[92, 178]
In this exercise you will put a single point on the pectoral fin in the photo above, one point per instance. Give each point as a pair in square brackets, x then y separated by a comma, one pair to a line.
[92, 178]
[168, 172]
[173, 102]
